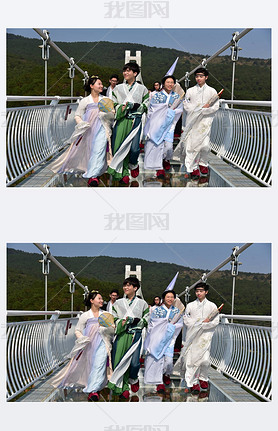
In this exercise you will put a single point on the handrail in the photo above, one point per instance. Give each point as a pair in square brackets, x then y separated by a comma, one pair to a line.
[34, 134]
[34, 349]
[40, 98]
[246, 317]
[243, 353]
[41, 313]
[265, 103]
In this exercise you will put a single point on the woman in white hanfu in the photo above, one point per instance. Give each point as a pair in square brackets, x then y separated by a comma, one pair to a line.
[89, 366]
[165, 110]
[164, 326]
[90, 150]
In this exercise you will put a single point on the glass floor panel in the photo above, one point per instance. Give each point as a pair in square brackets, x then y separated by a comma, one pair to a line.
[146, 178]
[175, 392]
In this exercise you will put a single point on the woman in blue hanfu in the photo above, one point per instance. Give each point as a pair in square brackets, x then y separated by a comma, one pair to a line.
[90, 150]
[164, 326]
[90, 364]
[165, 110]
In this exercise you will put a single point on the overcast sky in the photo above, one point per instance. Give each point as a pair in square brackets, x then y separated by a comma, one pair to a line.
[256, 43]
[256, 258]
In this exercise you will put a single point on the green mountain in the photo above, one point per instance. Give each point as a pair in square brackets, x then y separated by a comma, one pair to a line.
[25, 282]
[252, 82]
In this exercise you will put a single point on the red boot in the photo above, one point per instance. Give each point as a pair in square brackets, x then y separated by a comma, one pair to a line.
[160, 389]
[125, 180]
[195, 390]
[160, 173]
[204, 384]
[93, 396]
[204, 170]
[166, 379]
[125, 395]
[93, 182]
[134, 172]
[166, 165]
[135, 387]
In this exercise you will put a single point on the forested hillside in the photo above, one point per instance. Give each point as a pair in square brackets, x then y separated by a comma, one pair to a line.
[25, 67]
[25, 282]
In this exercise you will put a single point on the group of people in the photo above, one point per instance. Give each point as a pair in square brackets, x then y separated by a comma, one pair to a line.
[111, 124]
[110, 344]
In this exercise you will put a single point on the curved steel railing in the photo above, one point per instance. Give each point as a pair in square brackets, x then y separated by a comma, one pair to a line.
[34, 134]
[243, 353]
[243, 138]
[240, 137]
[35, 348]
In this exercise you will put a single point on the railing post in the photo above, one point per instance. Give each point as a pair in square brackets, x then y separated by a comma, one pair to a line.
[45, 270]
[45, 56]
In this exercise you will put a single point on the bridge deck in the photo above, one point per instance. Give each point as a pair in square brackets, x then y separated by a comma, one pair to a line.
[221, 390]
[221, 175]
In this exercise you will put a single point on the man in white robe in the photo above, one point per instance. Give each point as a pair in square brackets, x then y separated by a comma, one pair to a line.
[201, 103]
[201, 318]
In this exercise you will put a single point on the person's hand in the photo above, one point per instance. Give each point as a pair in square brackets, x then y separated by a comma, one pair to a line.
[207, 105]
[206, 320]
[123, 108]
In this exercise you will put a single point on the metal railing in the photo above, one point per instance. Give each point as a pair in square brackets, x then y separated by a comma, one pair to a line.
[36, 133]
[243, 139]
[35, 348]
[243, 353]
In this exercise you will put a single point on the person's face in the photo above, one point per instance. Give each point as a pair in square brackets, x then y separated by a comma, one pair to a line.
[169, 85]
[129, 290]
[169, 299]
[97, 301]
[156, 301]
[200, 79]
[201, 293]
[129, 75]
[113, 296]
[113, 82]
[156, 86]
[97, 86]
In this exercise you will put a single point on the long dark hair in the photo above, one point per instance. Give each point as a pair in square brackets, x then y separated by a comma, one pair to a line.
[91, 295]
[91, 81]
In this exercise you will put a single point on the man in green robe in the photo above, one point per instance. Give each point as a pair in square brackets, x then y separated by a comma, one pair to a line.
[131, 316]
[131, 102]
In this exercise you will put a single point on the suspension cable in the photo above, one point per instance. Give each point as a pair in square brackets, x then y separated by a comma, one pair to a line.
[229, 259]
[59, 50]
[206, 61]
[59, 265]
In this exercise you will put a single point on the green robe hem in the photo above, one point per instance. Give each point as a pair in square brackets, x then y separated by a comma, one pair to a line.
[116, 175]
[116, 390]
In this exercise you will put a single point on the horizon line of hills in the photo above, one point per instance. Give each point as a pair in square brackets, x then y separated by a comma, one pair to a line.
[252, 78]
[25, 282]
